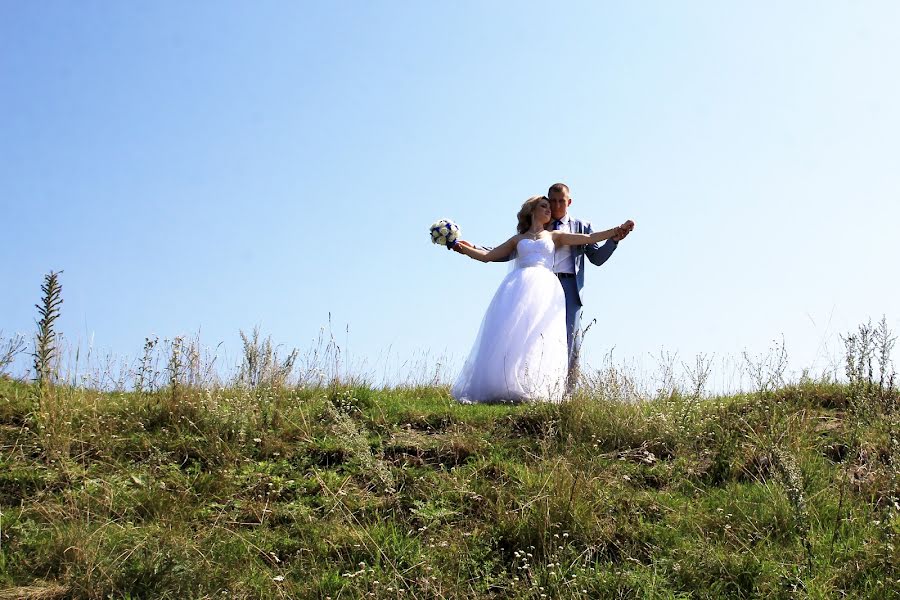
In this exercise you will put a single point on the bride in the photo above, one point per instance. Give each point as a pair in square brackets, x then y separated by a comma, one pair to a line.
[520, 353]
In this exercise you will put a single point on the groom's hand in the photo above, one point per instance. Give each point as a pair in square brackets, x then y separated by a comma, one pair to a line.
[624, 229]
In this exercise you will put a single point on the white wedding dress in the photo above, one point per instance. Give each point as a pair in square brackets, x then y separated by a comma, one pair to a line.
[520, 354]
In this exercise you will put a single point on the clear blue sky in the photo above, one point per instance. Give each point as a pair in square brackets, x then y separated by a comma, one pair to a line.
[211, 166]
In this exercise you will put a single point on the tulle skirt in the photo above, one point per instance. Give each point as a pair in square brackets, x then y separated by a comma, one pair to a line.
[520, 353]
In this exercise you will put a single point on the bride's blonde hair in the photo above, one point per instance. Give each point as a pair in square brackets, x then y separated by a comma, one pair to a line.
[525, 213]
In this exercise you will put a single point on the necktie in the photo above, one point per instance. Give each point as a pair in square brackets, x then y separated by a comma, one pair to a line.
[557, 224]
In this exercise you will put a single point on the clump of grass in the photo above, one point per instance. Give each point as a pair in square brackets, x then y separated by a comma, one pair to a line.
[261, 365]
[612, 381]
[767, 370]
[869, 368]
[339, 413]
[10, 348]
[792, 481]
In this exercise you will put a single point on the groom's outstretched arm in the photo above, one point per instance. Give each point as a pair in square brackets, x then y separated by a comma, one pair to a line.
[599, 253]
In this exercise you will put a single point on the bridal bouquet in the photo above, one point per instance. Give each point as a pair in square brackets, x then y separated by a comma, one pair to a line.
[444, 232]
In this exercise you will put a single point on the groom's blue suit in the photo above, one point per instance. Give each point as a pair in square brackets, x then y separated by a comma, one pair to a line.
[574, 286]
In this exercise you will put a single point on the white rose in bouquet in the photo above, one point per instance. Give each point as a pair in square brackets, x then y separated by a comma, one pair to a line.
[444, 232]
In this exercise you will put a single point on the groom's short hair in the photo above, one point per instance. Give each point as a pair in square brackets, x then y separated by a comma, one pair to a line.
[558, 187]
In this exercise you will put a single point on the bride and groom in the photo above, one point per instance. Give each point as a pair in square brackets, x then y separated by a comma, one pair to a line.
[527, 347]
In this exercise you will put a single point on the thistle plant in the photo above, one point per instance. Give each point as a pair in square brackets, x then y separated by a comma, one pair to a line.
[146, 373]
[175, 369]
[45, 342]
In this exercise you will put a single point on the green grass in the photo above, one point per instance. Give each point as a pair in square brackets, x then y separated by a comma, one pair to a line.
[353, 492]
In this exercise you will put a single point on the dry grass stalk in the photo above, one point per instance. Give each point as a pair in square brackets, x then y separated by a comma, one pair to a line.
[34, 592]
[9, 349]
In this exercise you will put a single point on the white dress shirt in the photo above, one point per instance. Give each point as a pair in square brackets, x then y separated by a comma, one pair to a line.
[563, 259]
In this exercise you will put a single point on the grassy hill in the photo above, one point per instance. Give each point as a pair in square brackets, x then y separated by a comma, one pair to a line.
[346, 491]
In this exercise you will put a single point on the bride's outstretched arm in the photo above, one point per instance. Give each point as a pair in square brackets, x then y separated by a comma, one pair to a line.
[561, 238]
[499, 253]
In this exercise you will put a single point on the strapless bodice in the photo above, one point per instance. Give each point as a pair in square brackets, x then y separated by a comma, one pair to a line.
[535, 253]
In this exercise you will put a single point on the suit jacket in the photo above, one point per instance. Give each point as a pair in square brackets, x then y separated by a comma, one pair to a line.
[595, 253]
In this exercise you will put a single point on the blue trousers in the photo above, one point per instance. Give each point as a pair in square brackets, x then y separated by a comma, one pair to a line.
[573, 317]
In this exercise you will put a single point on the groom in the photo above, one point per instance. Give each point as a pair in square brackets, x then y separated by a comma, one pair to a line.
[569, 265]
